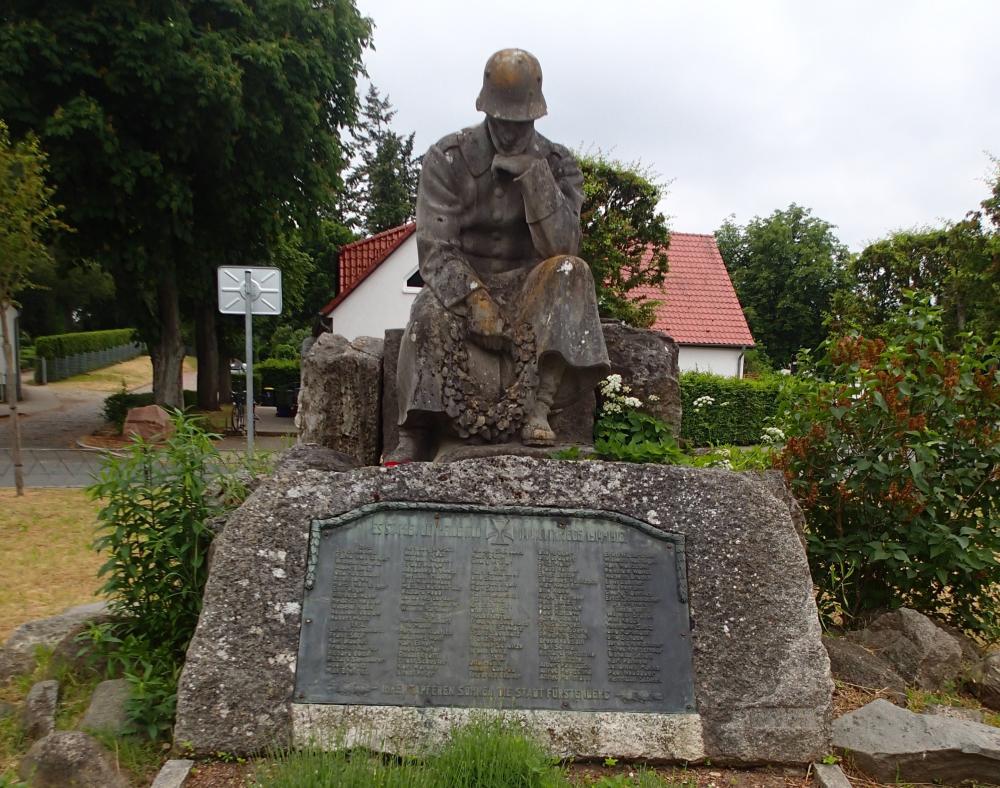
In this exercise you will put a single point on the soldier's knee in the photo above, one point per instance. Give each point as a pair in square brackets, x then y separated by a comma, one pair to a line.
[567, 265]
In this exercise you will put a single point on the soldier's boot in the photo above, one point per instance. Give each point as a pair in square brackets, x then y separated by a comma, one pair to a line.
[536, 431]
[412, 446]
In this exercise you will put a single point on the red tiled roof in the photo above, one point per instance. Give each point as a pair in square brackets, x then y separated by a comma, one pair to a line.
[357, 260]
[698, 305]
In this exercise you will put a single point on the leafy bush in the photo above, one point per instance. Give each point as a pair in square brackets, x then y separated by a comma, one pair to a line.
[894, 452]
[117, 406]
[278, 373]
[61, 345]
[626, 434]
[727, 410]
[153, 526]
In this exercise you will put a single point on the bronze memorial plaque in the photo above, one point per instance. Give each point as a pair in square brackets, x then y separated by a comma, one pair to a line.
[437, 605]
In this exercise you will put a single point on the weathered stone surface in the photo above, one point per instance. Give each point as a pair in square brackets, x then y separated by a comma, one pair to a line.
[830, 775]
[918, 650]
[173, 774]
[311, 456]
[14, 663]
[106, 711]
[339, 401]
[762, 681]
[150, 422]
[469, 452]
[38, 716]
[984, 681]
[894, 744]
[775, 482]
[955, 712]
[408, 730]
[50, 631]
[70, 760]
[647, 361]
[971, 651]
[854, 664]
[390, 394]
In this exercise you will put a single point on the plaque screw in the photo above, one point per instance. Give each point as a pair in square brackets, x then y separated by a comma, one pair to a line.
[302, 695]
[309, 620]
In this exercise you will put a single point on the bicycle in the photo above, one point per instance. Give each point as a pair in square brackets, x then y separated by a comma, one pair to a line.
[238, 415]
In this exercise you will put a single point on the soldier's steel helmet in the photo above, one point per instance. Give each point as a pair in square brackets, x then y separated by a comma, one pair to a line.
[512, 86]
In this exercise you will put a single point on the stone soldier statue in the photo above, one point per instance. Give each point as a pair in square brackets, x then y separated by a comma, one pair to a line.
[506, 328]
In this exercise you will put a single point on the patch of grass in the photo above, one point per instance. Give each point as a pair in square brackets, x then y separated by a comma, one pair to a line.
[139, 757]
[134, 372]
[484, 753]
[48, 564]
[918, 700]
[13, 745]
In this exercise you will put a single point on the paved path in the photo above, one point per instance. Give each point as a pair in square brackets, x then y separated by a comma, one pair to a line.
[51, 467]
[54, 417]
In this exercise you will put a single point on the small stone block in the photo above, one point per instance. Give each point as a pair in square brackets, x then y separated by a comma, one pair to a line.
[173, 774]
[107, 707]
[830, 775]
[39, 714]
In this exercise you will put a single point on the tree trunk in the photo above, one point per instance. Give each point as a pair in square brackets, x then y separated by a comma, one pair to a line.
[10, 389]
[208, 358]
[168, 351]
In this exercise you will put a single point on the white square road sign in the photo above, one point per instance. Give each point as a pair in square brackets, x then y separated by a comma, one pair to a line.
[265, 290]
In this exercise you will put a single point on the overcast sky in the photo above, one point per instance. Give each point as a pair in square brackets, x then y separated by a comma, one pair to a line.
[876, 115]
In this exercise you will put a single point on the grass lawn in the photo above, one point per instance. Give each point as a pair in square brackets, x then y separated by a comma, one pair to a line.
[48, 564]
[135, 372]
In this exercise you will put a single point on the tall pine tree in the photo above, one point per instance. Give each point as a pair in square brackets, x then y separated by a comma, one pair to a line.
[382, 185]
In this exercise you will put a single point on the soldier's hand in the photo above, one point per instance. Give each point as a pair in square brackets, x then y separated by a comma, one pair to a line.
[512, 165]
[486, 323]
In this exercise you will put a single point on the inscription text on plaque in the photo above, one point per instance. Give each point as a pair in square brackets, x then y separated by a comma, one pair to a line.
[500, 608]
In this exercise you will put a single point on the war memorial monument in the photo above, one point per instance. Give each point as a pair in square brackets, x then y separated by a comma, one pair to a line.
[418, 558]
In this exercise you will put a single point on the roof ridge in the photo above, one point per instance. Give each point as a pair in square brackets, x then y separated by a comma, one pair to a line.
[375, 237]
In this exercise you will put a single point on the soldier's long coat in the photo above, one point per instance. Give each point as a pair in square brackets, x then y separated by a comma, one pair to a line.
[477, 229]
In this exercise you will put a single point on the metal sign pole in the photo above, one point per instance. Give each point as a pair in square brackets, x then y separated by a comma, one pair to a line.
[248, 325]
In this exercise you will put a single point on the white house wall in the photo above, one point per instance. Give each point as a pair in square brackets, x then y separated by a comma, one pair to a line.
[381, 301]
[718, 360]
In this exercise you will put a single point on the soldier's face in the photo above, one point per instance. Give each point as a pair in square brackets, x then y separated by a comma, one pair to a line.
[510, 137]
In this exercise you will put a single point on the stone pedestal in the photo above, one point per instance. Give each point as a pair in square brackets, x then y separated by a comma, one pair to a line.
[761, 677]
[340, 396]
[646, 360]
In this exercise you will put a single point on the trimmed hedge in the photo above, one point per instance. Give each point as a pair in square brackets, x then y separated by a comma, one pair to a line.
[62, 345]
[737, 413]
[278, 373]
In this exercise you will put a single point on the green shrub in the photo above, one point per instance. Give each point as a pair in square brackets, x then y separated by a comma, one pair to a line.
[893, 451]
[278, 373]
[727, 410]
[153, 526]
[61, 345]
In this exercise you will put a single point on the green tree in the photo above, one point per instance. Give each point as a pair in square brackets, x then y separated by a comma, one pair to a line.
[955, 265]
[183, 136]
[625, 237]
[382, 185]
[27, 217]
[785, 268]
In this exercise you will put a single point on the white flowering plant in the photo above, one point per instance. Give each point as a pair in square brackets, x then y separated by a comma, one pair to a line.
[628, 434]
